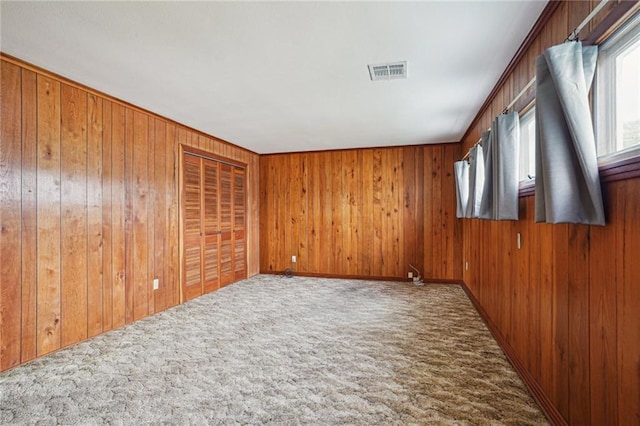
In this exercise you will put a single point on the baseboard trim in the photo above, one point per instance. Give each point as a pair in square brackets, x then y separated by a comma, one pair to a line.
[547, 406]
[366, 277]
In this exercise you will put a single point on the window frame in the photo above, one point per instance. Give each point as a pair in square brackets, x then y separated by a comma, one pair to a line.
[604, 100]
[528, 114]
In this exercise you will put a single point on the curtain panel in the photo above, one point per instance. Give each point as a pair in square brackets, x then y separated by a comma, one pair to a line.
[500, 193]
[476, 177]
[567, 179]
[461, 169]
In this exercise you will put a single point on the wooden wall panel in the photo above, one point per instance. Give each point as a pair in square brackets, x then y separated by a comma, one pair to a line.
[171, 192]
[118, 215]
[567, 303]
[361, 212]
[628, 310]
[48, 213]
[603, 269]
[151, 216]
[29, 224]
[95, 290]
[90, 211]
[129, 271]
[140, 234]
[11, 226]
[159, 164]
[73, 220]
[107, 219]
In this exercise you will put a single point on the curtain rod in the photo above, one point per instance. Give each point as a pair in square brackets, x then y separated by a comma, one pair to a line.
[472, 146]
[573, 36]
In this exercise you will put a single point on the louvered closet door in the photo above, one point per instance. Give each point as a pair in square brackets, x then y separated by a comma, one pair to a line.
[239, 231]
[211, 224]
[192, 250]
[226, 225]
[214, 216]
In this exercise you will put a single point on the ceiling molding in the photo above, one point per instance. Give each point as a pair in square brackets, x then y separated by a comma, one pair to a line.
[322, 151]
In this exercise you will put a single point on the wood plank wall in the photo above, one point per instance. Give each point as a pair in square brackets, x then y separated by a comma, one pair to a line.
[568, 303]
[363, 212]
[89, 212]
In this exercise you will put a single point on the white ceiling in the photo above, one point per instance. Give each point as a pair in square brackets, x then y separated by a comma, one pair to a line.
[282, 76]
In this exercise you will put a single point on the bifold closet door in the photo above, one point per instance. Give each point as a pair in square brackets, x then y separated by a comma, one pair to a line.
[239, 220]
[226, 225]
[192, 232]
[213, 205]
[211, 227]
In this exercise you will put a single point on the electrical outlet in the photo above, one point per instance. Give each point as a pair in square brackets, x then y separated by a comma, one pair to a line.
[519, 238]
[293, 259]
[156, 283]
[410, 275]
[466, 266]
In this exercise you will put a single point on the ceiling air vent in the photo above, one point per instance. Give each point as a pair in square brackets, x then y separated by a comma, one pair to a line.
[388, 71]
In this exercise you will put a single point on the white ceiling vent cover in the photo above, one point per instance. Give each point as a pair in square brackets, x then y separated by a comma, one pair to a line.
[388, 71]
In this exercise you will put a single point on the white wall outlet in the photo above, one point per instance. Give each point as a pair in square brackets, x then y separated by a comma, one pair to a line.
[410, 275]
[293, 259]
[156, 283]
[466, 266]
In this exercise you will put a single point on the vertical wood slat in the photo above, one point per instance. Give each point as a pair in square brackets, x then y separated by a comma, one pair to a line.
[533, 288]
[578, 325]
[560, 315]
[519, 336]
[10, 217]
[337, 246]
[265, 220]
[171, 191]
[108, 276]
[48, 212]
[73, 247]
[140, 197]
[160, 263]
[151, 215]
[628, 307]
[128, 273]
[368, 235]
[351, 228]
[314, 207]
[430, 243]
[95, 290]
[29, 218]
[294, 202]
[119, 213]
[602, 301]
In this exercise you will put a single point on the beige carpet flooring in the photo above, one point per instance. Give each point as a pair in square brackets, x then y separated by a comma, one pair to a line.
[285, 351]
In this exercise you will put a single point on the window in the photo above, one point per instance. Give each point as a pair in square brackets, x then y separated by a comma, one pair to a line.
[618, 93]
[528, 145]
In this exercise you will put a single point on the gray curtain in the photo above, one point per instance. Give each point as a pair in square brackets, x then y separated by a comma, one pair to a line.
[501, 164]
[476, 178]
[462, 187]
[567, 179]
